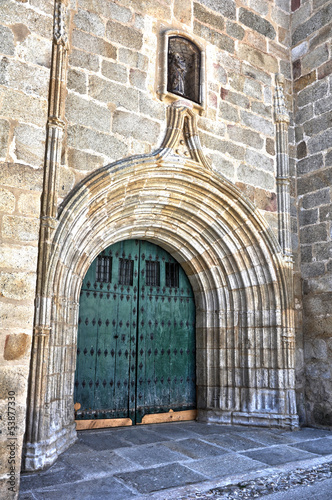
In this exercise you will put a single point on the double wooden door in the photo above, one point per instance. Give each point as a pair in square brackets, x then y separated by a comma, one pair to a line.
[136, 335]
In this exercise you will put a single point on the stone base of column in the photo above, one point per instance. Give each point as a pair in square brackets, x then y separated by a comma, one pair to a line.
[38, 456]
[259, 419]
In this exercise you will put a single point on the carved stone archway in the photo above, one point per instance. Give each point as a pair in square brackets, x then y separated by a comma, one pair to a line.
[245, 342]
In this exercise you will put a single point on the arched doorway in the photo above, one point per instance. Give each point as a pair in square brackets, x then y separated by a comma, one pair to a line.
[136, 338]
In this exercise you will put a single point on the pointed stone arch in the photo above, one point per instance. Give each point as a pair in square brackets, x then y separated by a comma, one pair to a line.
[242, 287]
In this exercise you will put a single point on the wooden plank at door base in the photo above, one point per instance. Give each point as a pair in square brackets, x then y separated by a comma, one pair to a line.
[82, 425]
[154, 418]
[171, 416]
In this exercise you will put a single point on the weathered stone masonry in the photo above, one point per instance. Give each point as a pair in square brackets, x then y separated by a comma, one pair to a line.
[80, 80]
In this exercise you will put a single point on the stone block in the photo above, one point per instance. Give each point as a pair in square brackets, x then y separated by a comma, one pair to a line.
[325, 70]
[89, 22]
[95, 45]
[30, 144]
[299, 51]
[224, 7]
[297, 70]
[205, 16]
[304, 114]
[119, 13]
[81, 160]
[124, 35]
[252, 88]
[77, 80]
[18, 257]
[19, 228]
[318, 124]
[149, 8]
[114, 71]
[328, 159]
[110, 92]
[270, 146]
[21, 176]
[307, 28]
[257, 23]
[220, 40]
[316, 199]
[7, 45]
[22, 107]
[312, 94]
[14, 13]
[133, 59]
[84, 60]
[18, 286]
[154, 109]
[257, 58]
[323, 252]
[4, 64]
[87, 113]
[307, 217]
[16, 346]
[315, 58]
[235, 30]
[223, 165]
[138, 79]
[255, 177]
[320, 142]
[260, 160]
[262, 109]
[7, 201]
[245, 136]
[182, 11]
[318, 305]
[322, 36]
[29, 204]
[36, 51]
[257, 123]
[312, 234]
[228, 112]
[83, 138]
[219, 74]
[306, 253]
[323, 105]
[310, 164]
[256, 74]
[318, 180]
[234, 98]
[4, 137]
[130, 125]
[301, 150]
[304, 81]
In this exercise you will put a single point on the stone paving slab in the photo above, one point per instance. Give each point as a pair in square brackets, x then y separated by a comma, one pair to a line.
[233, 442]
[279, 455]
[160, 478]
[322, 446]
[160, 460]
[151, 454]
[195, 448]
[105, 488]
[226, 465]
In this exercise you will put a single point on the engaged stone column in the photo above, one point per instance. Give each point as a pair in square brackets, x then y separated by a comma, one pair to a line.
[283, 181]
[36, 434]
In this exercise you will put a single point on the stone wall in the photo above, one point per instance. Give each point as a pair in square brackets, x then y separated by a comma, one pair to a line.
[25, 54]
[312, 70]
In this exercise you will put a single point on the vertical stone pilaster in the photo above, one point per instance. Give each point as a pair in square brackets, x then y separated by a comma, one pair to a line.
[42, 329]
[283, 181]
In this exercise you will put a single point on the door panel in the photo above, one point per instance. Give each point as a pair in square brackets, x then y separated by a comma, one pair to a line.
[136, 336]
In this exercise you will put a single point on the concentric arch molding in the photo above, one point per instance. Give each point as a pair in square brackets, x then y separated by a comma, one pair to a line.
[241, 283]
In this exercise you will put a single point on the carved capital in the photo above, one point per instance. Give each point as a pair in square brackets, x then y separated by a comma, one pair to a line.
[60, 32]
[42, 331]
[280, 109]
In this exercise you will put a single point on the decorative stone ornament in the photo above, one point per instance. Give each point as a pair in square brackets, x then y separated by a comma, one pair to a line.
[182, 69]
[282, 179]
[240, 279]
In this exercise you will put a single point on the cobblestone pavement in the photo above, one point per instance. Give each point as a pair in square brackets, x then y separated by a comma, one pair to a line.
[186, 461]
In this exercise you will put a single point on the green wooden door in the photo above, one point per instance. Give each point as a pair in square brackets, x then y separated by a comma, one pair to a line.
[136, 335]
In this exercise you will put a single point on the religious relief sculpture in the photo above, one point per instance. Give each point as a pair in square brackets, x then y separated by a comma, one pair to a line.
[184, 68]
